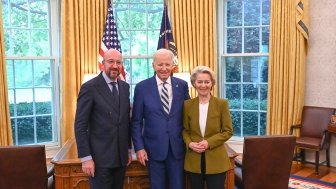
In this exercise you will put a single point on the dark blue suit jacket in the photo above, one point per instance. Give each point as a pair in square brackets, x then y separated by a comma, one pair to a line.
[100, 131]
[152, 129]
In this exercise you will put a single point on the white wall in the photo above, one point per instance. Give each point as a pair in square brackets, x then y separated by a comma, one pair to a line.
[321, 60]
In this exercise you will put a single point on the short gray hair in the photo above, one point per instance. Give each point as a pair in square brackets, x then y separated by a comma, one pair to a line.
[202, 69]
[163, 51]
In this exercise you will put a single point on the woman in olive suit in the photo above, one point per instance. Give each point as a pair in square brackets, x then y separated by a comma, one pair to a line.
[207, 126]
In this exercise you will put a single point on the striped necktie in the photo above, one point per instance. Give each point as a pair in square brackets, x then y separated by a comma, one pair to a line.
[165, 98]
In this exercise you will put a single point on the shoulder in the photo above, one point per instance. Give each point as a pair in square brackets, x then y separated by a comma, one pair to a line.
[190, 102]
[179, 81]
[220, 101]
[123, 83]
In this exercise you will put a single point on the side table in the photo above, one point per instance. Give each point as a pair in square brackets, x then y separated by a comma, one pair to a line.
[332, 128]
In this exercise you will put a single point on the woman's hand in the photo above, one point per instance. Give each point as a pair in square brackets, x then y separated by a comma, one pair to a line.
[197, 147]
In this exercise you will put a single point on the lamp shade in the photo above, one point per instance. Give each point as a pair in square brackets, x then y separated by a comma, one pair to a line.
[184, 76]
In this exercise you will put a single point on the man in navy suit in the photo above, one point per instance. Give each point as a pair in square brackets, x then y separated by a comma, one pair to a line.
[102, 125]
[157, 122]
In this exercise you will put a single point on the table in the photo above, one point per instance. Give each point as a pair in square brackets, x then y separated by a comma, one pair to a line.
[332, 128]
[68, 171]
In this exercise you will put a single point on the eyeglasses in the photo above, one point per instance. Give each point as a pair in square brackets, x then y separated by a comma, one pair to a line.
[112, 62]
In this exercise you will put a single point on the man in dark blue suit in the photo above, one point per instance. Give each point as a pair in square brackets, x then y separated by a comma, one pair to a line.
[102, 125]
[157, 122]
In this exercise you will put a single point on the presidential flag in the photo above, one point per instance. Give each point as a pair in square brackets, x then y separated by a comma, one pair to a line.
[166, 39]
[110, 39]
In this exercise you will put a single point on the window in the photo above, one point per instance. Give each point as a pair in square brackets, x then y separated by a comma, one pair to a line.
[243, 27]
[138, 23]
[32, 69]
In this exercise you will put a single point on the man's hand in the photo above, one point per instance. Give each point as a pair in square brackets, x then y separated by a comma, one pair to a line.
[129, 158]
[142, 156]
[88, 167]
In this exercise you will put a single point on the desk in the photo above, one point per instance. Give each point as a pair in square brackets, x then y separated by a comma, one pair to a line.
[69, 175]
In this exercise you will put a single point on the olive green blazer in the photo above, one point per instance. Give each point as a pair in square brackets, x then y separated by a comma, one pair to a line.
[218, 130]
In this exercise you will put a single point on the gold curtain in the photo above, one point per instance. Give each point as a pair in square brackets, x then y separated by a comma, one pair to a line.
[82, 28]
[288, 50]
[194, 30]
[5, 125]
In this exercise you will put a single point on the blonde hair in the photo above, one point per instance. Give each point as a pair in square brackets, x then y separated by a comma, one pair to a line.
[202, 69]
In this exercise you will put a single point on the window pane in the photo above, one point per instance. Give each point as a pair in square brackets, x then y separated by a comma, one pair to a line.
[7, 42]
[234, 40]
[121, 15]
[11, 102]
[137, 1]
[25, 130]
[40, 43]
[14, 130]
[5, 14]
[232, 69]
[39, 14]
[236, 121]
[153, 37]
[265, 40]
[23, 73]
[124, 38]
[251, 40]
[251, 12]
[10, 73]
[43, 100]
[262, 123]
[154, 1]
[250, 97]
[233, 93]
[263, 97]
[20, 42]
[154, 15]
[24, 102]
[138, 16]
[42, 77]
[250, 69]
[264, 69]
[44, 128]
[266, 12]
[139, 43]
[139, 70]
[250, 122]
[19, 13]
[120, 1]
[234, 13]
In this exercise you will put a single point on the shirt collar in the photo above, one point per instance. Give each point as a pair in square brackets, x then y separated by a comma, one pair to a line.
[107, 79]
[159, 81]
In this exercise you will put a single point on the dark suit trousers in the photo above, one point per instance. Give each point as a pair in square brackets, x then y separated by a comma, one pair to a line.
[167, 173]
[108, 178]
[213, 181]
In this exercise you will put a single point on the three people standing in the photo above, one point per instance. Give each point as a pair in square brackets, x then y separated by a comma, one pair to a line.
[170, 133]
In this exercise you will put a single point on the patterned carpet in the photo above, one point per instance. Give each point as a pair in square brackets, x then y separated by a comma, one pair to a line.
[297, 182]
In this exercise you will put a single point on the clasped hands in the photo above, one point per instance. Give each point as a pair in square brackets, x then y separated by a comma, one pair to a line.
[199, 147]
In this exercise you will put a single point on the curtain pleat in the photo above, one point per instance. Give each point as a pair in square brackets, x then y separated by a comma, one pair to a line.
[288, 51]
[5, 125]
[194, 29]
[82, 30]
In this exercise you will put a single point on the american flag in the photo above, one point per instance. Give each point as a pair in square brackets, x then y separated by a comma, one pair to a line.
[110, 39]
[166, 39]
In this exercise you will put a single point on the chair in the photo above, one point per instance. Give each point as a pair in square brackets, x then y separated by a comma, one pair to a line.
[313, 134]
[24, 167]
[266, 162]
